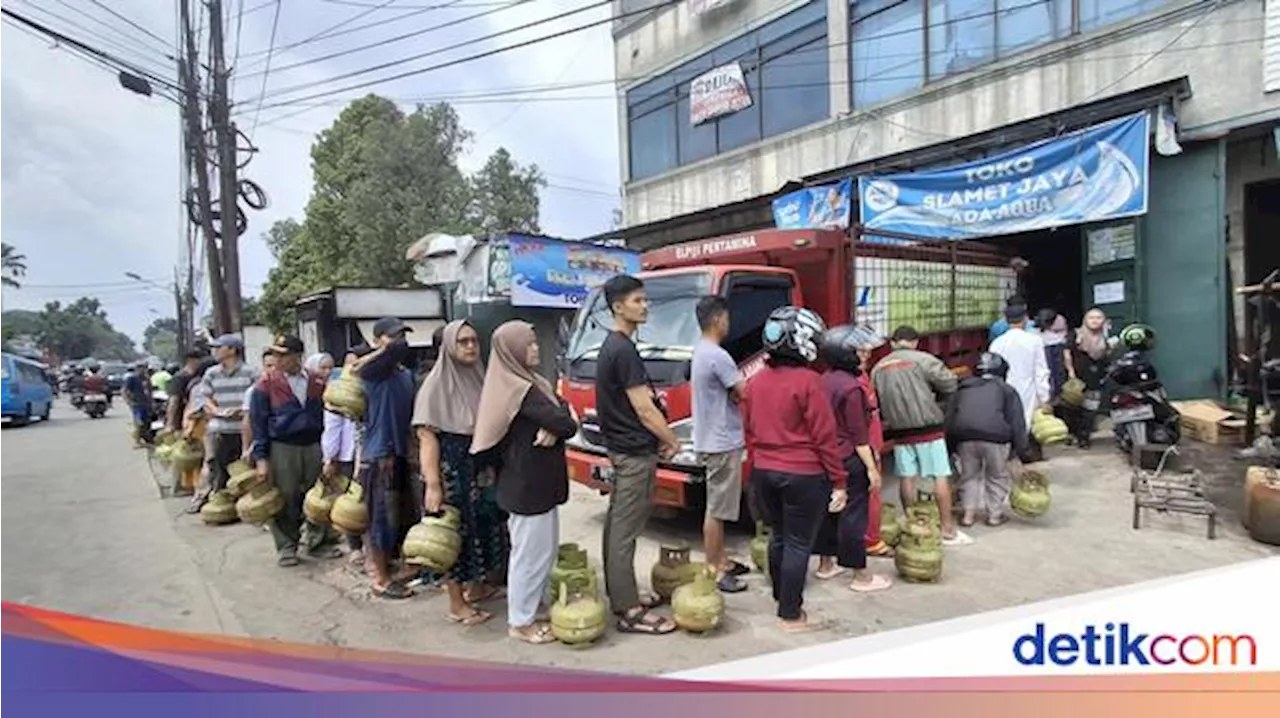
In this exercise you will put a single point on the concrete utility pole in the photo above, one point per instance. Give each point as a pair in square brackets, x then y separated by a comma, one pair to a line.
[198, 157]
[225, 132]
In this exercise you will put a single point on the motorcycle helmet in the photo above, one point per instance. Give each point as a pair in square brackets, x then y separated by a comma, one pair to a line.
[840, 344]
[793, 333]
[1139, 337]
[992, 364]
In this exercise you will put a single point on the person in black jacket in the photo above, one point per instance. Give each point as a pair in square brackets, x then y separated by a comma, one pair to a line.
[983, 419]
[523, 418]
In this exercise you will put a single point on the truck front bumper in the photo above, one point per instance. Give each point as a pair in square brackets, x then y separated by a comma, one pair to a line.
[675, 486]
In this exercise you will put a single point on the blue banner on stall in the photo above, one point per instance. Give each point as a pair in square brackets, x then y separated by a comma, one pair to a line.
[825, 207]
[1090, 175]
[557, 274]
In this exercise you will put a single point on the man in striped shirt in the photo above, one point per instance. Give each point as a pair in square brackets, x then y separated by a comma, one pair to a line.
[224, 386]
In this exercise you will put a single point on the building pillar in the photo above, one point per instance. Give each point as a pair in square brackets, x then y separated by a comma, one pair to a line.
[838, 57]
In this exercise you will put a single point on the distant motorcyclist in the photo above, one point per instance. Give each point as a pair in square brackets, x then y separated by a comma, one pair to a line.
[92, 382]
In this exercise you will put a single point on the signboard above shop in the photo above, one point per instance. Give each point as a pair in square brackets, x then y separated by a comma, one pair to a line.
[558, 274]
[717, 92]
[1098, 173]
[825, 207]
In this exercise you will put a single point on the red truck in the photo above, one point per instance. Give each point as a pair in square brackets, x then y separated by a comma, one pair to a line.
[950, 292]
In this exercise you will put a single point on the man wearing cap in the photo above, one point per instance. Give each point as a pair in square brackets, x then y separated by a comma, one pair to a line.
[223, 388]
[1023, 350]
[137, 394]
[288, 421]
[384, 451]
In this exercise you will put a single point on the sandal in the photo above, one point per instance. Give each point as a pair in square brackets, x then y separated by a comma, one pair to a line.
[642, 621]
[288, 560]
[730, 583]
[880, 550]
[875, 583]
[827, 574]
[959, 539]
[538, 636]
[475, 618]
[967, 521]
[804, 625]
[356, 558]
[325, 552]
[737, 569]
[997, 520]
[395, 591]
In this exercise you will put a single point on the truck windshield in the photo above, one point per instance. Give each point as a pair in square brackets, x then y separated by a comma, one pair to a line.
[672, 327]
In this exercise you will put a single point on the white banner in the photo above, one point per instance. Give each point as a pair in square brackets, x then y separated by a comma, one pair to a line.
[1221, 620]
[720, 91]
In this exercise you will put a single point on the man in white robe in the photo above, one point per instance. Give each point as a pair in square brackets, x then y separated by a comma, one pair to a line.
[1028, 367]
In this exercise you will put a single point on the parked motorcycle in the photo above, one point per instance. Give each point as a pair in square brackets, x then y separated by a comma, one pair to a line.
[95, 405]
[1140, 410]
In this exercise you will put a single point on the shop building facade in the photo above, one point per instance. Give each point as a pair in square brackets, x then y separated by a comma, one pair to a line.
[843, 89]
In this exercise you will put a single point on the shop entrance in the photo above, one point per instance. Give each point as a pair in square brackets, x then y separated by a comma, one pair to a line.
[1052, 279]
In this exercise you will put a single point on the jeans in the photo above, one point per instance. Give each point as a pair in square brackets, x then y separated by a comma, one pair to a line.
[793, 506]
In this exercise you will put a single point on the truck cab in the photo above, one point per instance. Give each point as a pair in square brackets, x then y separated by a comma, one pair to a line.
[755, 273]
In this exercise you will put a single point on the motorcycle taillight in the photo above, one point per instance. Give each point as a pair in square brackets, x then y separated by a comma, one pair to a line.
[1126, 400]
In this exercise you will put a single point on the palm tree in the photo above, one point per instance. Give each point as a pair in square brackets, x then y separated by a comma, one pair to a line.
[14, 266]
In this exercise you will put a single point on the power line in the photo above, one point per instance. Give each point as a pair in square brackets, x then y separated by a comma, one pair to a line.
[275, 24]
[459, 61]
[130, 22]
[350, 3]
[392, 40]
[132, 38]
[139, 57]
[101, 56]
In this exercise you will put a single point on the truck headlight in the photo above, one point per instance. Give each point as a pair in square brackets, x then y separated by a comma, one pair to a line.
[686, 456]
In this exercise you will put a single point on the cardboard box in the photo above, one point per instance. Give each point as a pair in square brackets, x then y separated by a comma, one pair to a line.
[1205, 421]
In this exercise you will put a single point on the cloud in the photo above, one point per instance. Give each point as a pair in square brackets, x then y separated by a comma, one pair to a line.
[90, 171]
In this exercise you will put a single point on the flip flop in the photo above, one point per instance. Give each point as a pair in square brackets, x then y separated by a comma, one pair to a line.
[325, 552]
[394, 591]
[287, 561]
[967, 522]
[960, 539]
[738, 569]
[540, 636]
[827, 574]
[880, 550]
[877, 583]
[729, 583]
[997, 521]
[476, 618]
[804, 625]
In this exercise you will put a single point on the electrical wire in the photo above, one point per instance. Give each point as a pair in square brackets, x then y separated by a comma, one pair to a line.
[127, 36]
[455, 62]
[399, 38]
[349, 3]
[257, 113]
[133, 54]
[129, 22]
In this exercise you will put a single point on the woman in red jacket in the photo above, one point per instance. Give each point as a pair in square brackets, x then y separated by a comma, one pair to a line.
[797, 470]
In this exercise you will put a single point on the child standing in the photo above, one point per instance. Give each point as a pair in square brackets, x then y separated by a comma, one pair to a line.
[984, 419]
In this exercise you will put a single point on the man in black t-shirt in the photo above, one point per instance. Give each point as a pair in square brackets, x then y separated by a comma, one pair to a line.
[636, 433]
[178, 387]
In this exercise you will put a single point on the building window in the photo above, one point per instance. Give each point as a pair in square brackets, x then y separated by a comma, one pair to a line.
[887, 53]
[785, 67]
[1021, 24]
[889, 38]
[1100, 13]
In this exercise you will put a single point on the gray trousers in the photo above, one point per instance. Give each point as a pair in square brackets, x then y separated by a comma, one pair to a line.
[534, 542]
[630, 504]
[293, 470]
[984, 476]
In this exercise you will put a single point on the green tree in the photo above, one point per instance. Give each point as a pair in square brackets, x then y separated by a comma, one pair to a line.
[79, 330]
[14, 265]
[384, 178]
[16, 323]
[160, 339]
[505, 196]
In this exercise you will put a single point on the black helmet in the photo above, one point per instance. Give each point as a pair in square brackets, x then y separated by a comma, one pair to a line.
[992, 364]
[1138, 336]
[840, 344]
[793, 332]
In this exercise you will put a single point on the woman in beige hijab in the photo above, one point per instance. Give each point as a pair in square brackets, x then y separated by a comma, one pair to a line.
[444, 415]
[523, 420]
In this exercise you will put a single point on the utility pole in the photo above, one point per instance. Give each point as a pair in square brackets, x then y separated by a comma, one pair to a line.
[198, 156]
[225, 132]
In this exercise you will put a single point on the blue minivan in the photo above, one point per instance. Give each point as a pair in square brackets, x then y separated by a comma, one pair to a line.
[26, 390]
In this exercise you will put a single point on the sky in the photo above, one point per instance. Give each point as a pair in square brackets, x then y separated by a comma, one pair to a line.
[90, 172]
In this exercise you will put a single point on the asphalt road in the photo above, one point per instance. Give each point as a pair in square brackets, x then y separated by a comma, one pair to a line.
[87, 533]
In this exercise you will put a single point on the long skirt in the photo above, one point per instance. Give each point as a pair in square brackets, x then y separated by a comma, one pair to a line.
[485, 540]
